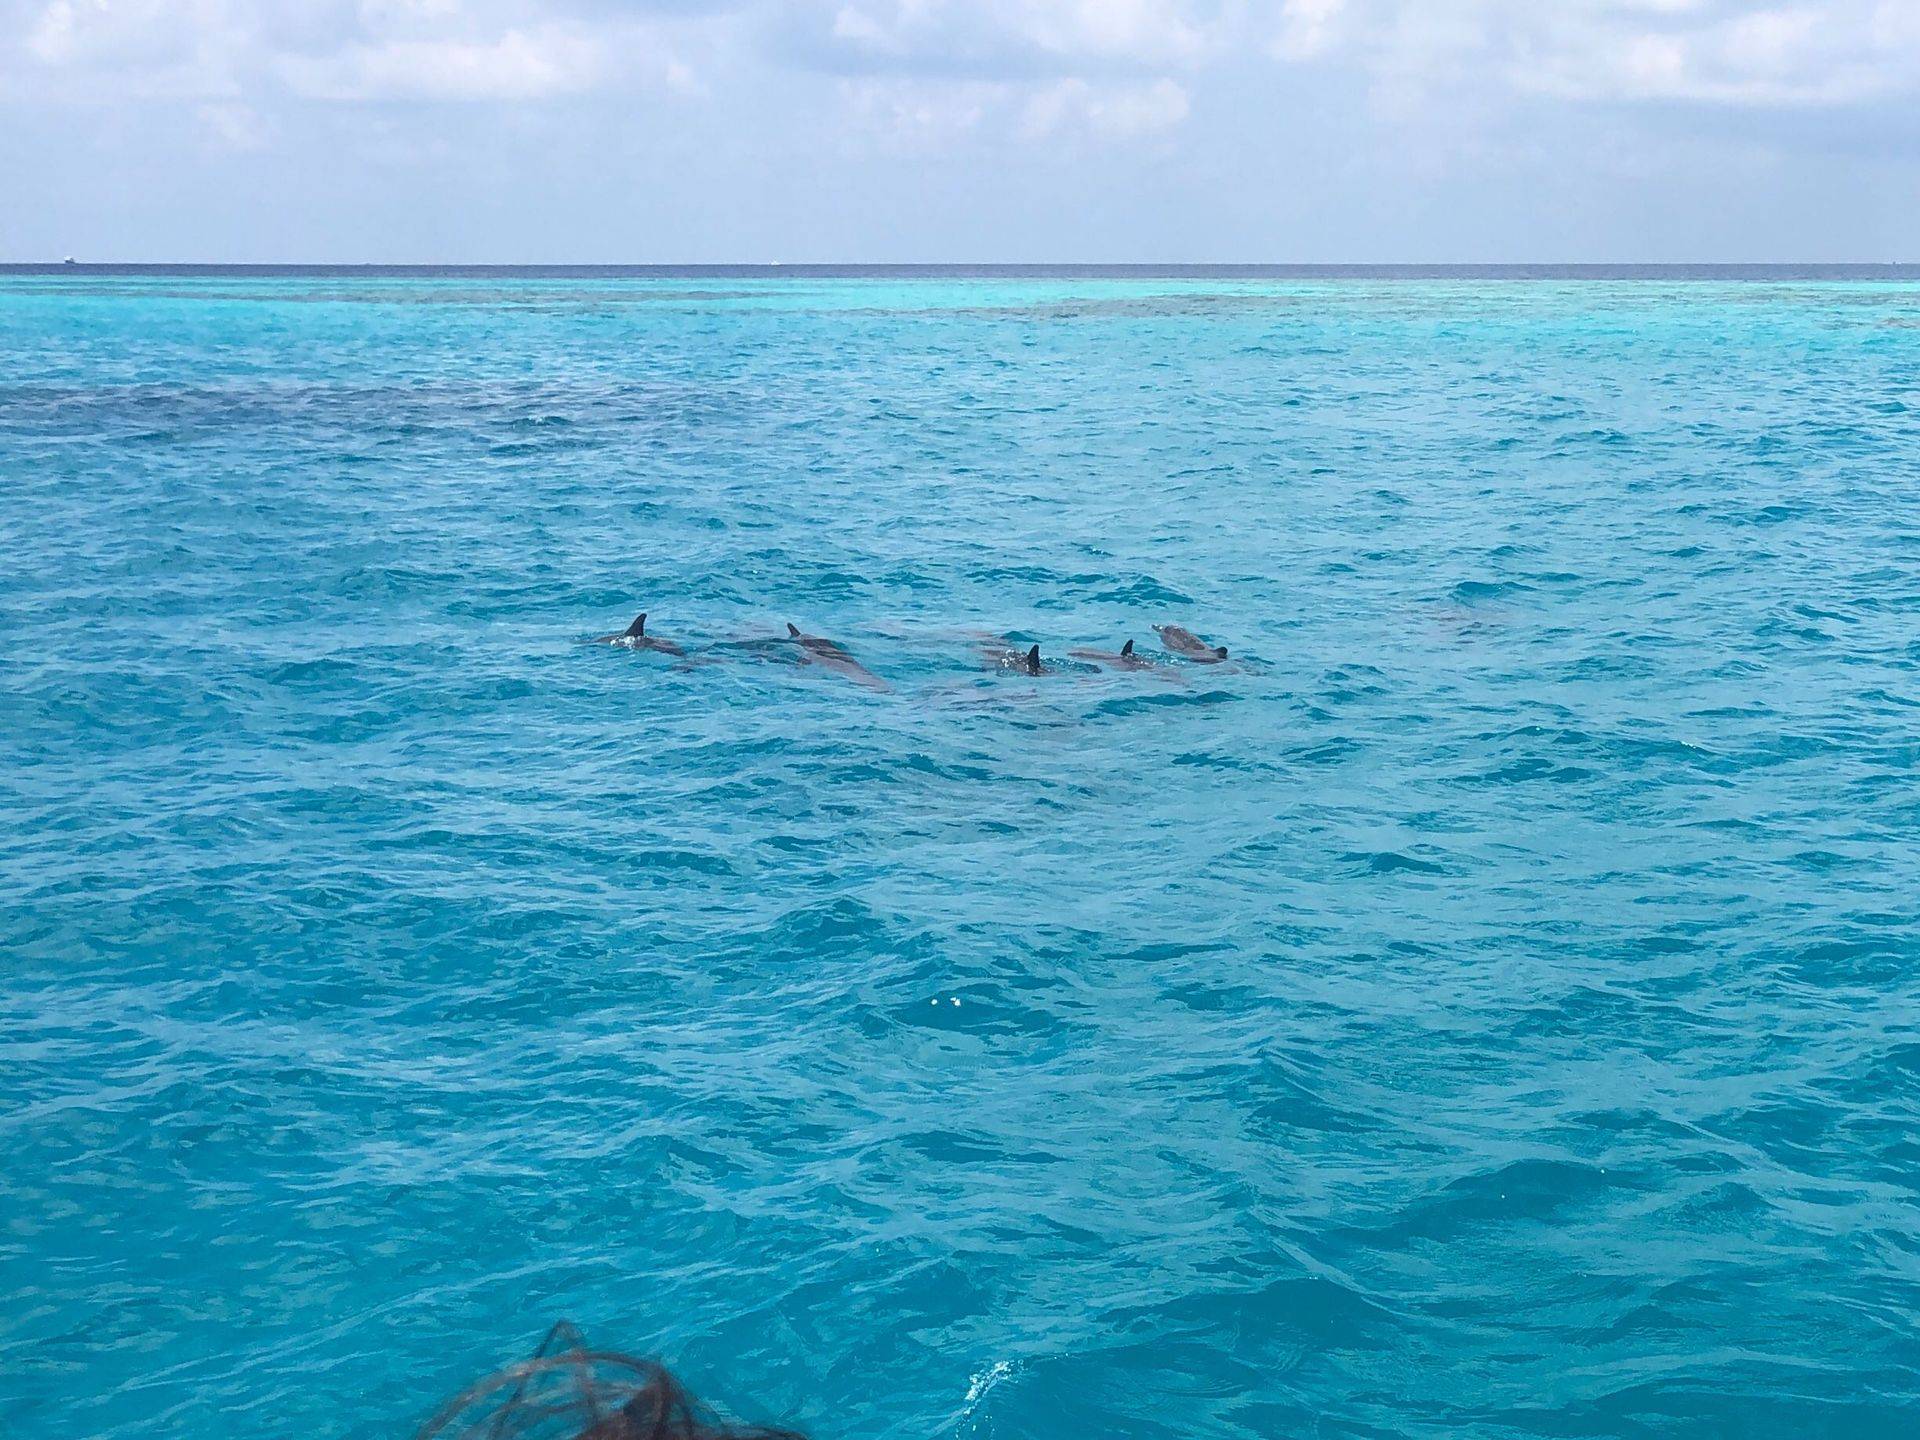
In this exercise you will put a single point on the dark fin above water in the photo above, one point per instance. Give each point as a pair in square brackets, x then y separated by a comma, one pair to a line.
[793, 630]
[1221, 651]
[639, 626]
[1127, 649]
[1033, 661]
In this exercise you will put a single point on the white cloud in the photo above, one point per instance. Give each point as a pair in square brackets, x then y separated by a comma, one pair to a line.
[52, 36]
[915, 113]
[110, 51]
[1707, 51]
[1308, 27]
[1747, 52]
[1008, 39]
[938, 70]
[1795, 56]
[1154, 32]
[237, 128]
[1759, 52]
[518, 65]
[1442, 65]
[1074, 104]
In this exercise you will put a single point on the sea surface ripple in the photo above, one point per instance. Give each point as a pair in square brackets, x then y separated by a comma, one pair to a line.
[1490, 1008]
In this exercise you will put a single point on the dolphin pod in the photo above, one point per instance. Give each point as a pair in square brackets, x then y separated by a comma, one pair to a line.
[999, 653]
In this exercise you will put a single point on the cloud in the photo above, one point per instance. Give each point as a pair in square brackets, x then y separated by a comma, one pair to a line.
[911, 115]
[1005, 39]
[517, 65]
[236, 128]
[936, 71]
[919, 74]
[1723, 52]
[1307, 28]
[1720, 52]
[1120, 110]
[1784, 56]
[111, 51]
[918, 114]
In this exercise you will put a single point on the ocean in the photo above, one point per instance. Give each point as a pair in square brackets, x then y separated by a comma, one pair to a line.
[1485, 1006]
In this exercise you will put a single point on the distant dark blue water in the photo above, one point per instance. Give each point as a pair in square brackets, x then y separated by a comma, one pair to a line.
[1487, 1007]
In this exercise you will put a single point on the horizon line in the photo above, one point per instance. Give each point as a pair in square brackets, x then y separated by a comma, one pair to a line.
[73, 263]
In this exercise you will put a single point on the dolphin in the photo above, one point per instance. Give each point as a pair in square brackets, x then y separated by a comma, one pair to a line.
[1185, 643]
[765, 649]
[1121, 659]
[635, 637]
[835, 656]
[1006, 657]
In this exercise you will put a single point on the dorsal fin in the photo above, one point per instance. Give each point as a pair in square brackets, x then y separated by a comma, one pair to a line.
[639, 626]
[793, 630]
[1033, 661]
[1127, 649]
[1221, 651]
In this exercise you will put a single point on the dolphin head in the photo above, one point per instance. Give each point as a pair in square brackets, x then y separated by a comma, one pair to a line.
[639, 626]
[1033, 661]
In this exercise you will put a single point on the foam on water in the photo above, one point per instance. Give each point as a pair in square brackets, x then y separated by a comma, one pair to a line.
[1486, 1007]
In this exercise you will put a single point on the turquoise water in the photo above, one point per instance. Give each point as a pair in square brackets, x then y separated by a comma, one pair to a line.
[1492, 1009]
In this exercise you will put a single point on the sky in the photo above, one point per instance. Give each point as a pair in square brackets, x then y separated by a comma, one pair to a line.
[868, 131]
